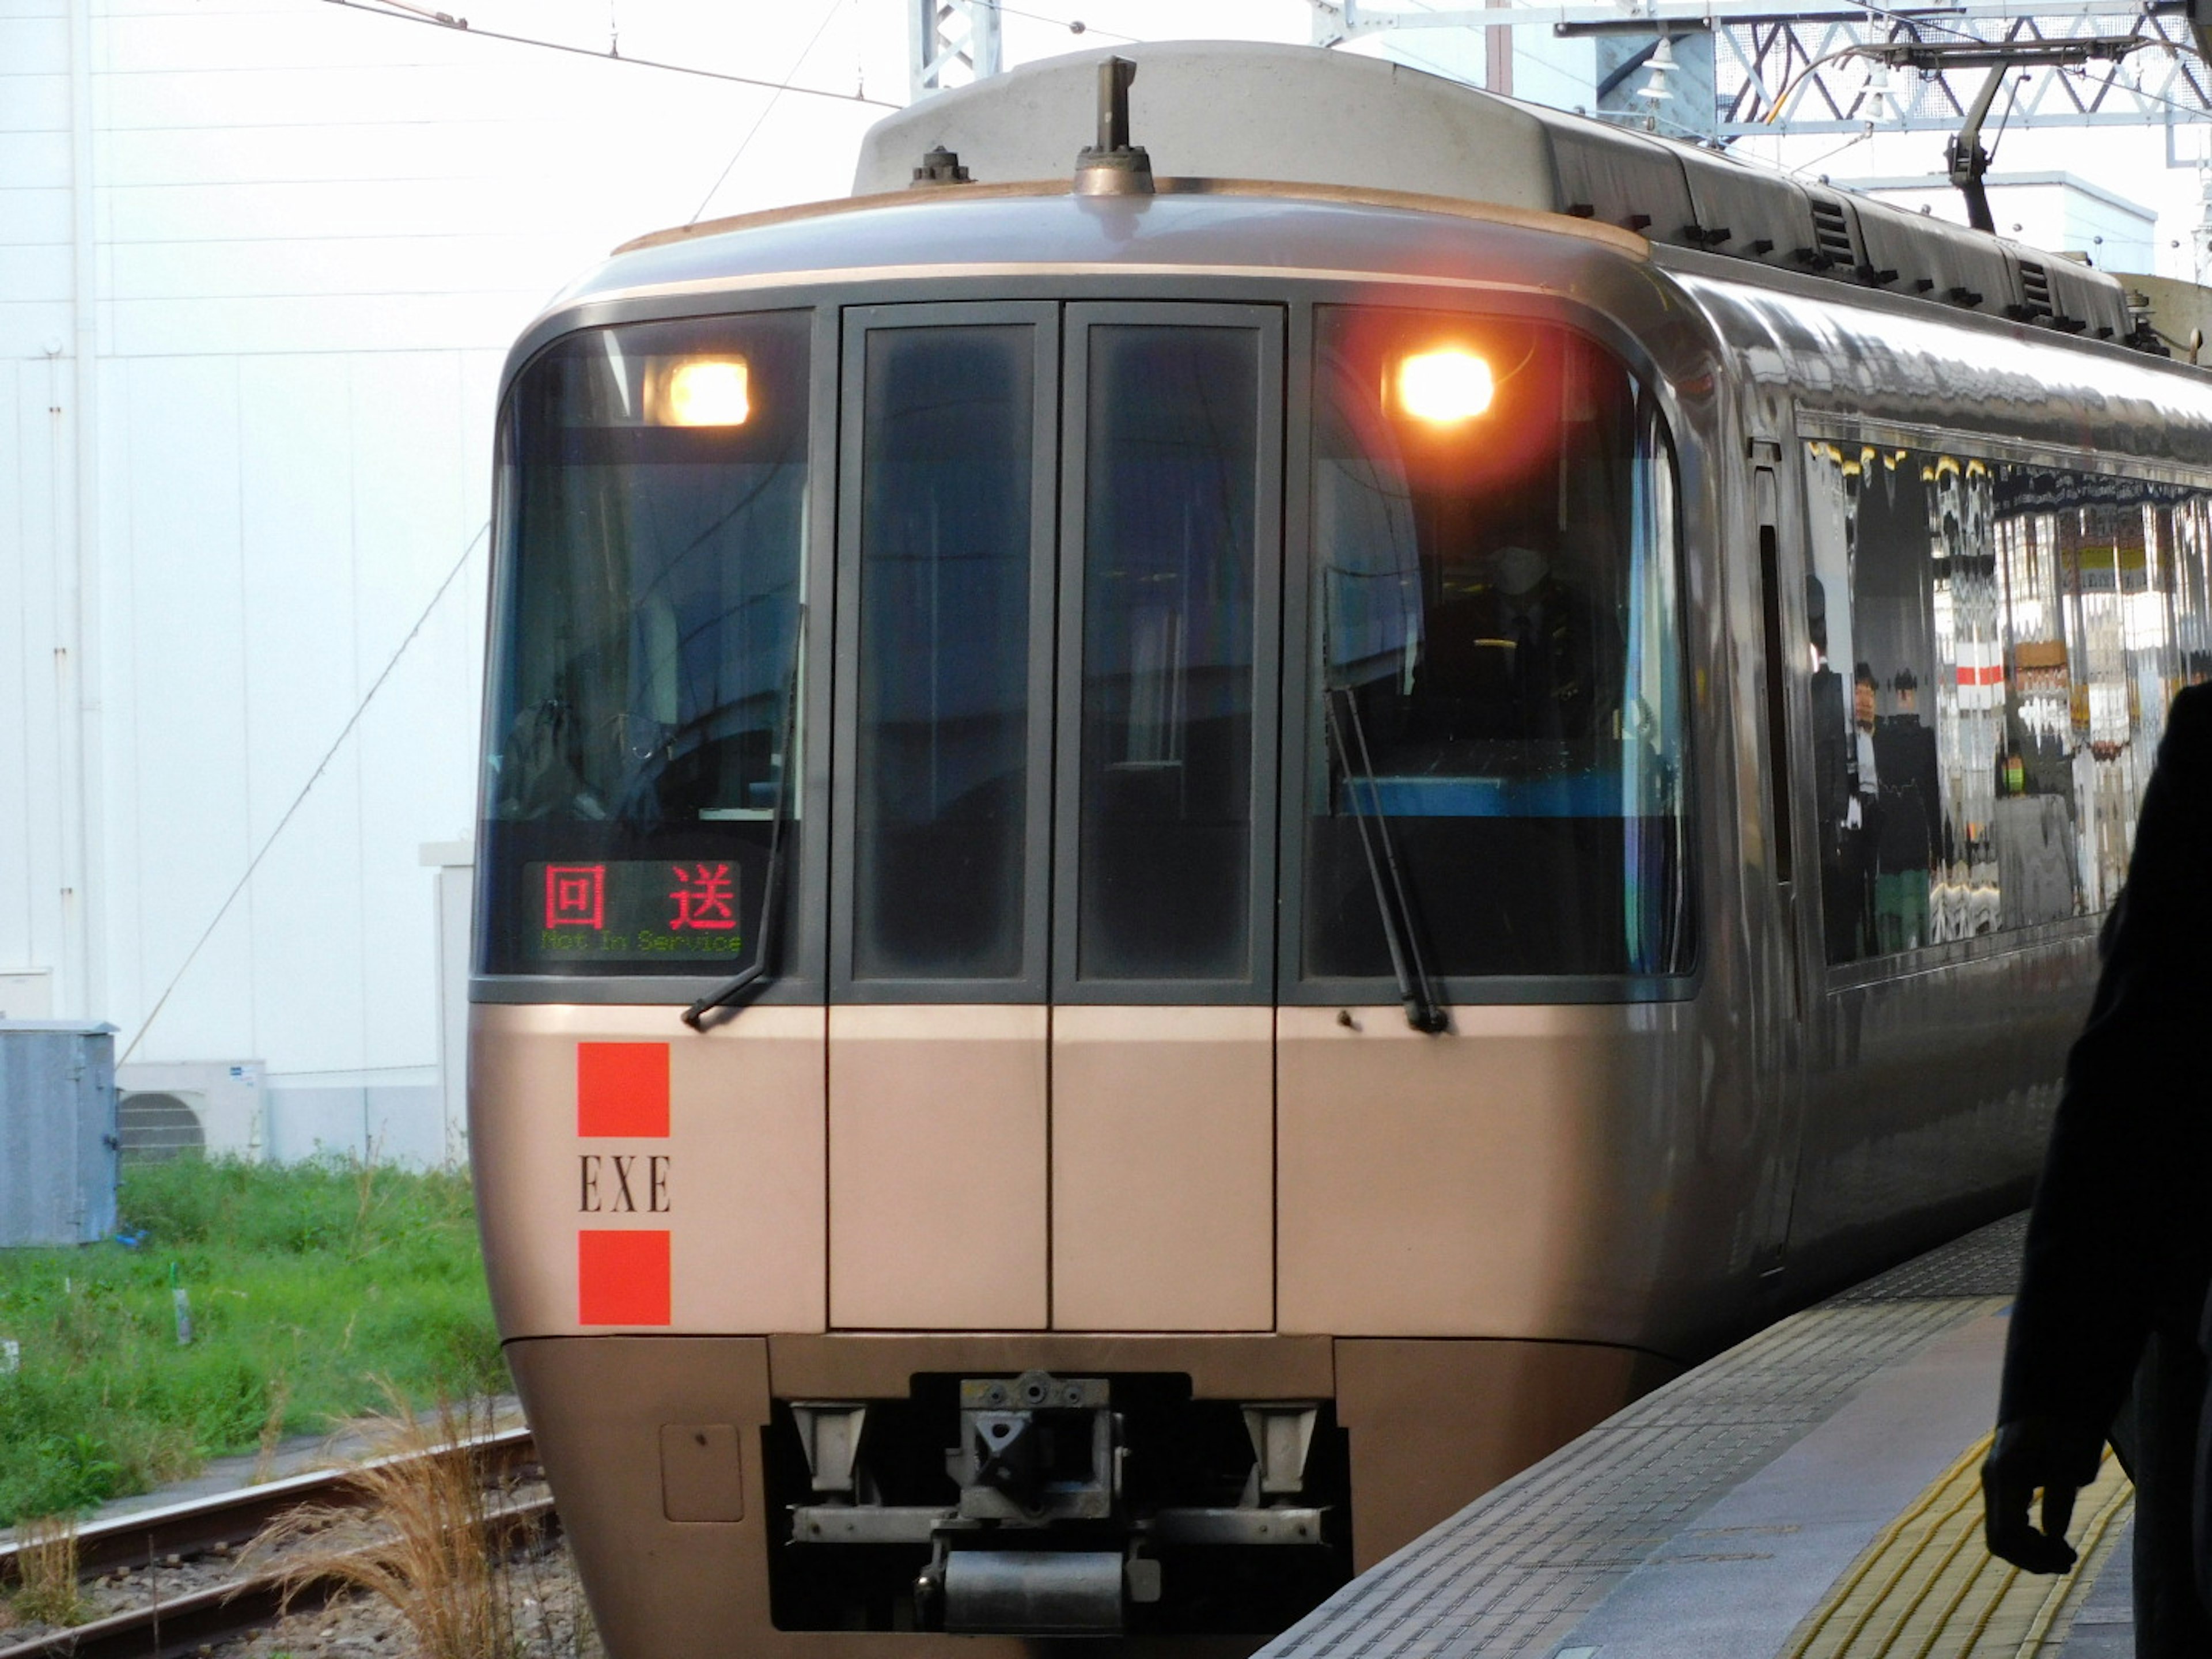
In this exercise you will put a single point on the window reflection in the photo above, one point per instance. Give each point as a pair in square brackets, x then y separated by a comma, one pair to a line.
[1169, 548]
[2014, 633]
[942, 763]
[1495, 611]
[644, 647]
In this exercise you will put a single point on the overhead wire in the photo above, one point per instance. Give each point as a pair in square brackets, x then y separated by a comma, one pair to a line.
[1073, 25]
[1859, 138]
[313, 777]
[829, 12]
[399, 11]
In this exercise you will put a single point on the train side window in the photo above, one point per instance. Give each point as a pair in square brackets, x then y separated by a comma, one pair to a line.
[2013, 635]
[1835, 494]
[2122, 629]
[1882, 592]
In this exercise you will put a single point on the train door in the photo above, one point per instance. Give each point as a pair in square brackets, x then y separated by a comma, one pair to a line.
[941, 805]
[1053, 831]
[1775, 884]
[1163, 1024]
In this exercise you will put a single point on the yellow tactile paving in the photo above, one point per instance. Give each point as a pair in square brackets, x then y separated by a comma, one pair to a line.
[1927, 1587]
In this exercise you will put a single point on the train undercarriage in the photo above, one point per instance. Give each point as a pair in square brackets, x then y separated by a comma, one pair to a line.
[1063, 1506]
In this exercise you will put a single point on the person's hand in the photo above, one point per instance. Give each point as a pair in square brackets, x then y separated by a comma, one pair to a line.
[2028, 1455]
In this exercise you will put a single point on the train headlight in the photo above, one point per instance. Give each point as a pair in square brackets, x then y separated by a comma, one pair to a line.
[1445, 385]
[703, 392]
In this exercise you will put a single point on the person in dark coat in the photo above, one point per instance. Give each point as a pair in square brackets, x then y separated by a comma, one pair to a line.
[2119, 1243]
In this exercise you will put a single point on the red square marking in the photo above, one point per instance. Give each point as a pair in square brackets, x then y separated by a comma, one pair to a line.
[622, 1277]
[622, 1089]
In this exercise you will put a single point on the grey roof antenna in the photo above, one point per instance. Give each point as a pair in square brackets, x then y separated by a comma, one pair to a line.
[1114, 166]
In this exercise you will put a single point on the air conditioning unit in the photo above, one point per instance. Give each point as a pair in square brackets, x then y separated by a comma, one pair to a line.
[27, 994]
[218, 1108]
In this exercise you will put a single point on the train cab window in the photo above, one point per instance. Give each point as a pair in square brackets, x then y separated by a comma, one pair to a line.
[942, 746]
[1496, 653]
[1992, 646]
[645, 645]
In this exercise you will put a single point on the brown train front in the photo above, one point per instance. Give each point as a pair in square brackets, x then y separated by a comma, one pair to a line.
[1316, 815]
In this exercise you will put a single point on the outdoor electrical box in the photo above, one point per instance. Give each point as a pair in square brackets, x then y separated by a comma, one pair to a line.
[58, 1149]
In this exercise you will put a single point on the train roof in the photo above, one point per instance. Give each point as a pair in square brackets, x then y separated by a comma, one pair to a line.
[1235, 110]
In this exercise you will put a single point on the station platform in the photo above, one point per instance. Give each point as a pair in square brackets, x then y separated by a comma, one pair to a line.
[1812, 1494]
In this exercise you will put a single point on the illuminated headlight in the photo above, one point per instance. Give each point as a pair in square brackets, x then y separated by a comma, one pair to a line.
[1444, 385]
[702, 391]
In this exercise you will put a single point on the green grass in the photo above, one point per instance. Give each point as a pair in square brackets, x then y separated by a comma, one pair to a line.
[311, 1288]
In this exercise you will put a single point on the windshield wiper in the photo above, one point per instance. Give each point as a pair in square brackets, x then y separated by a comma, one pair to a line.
[1400, 927]
[755, 977]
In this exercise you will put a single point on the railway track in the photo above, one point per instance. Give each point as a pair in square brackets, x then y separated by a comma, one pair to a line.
[175, 1626]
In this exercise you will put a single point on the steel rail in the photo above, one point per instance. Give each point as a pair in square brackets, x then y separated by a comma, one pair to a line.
[195, 1526]
[187, 1625]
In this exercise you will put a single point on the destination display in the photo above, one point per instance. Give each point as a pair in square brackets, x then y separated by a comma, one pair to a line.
[687, 910]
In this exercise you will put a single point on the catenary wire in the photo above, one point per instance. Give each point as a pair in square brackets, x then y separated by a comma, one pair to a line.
[767, 109]
[400, 12]
[321, 765]
[1073, 25]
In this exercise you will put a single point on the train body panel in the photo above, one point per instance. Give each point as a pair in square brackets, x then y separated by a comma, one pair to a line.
[1163, 1169]
[1502, 1179]
[725, 1145]
[1340, 826]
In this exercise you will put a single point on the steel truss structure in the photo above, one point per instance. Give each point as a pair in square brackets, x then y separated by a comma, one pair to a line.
[1815, 71]
[951, 43]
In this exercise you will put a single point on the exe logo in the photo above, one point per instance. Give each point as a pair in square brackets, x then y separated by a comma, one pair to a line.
[614, 1185]
[623, 1274]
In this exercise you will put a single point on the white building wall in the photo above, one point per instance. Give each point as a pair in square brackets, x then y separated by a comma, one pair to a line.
[36, 483]
[307, 237]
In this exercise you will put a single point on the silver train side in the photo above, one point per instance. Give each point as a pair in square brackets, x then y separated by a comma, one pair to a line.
[1404, 1265]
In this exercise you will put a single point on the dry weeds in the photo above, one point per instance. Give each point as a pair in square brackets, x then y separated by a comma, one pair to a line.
[430, 1543]
[45, 1562]
[272, 1429]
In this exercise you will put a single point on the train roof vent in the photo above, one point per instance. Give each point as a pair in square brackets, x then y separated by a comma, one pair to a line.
[2082, 299]
[2034, 292]
[1832, 234]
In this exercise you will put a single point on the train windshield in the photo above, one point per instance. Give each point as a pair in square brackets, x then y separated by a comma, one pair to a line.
[1499, 705]
[646, 633]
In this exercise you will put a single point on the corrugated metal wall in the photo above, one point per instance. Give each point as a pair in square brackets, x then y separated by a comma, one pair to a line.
[58, 1147]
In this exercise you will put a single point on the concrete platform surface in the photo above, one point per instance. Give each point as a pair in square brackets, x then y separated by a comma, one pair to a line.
[1809, 1494]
